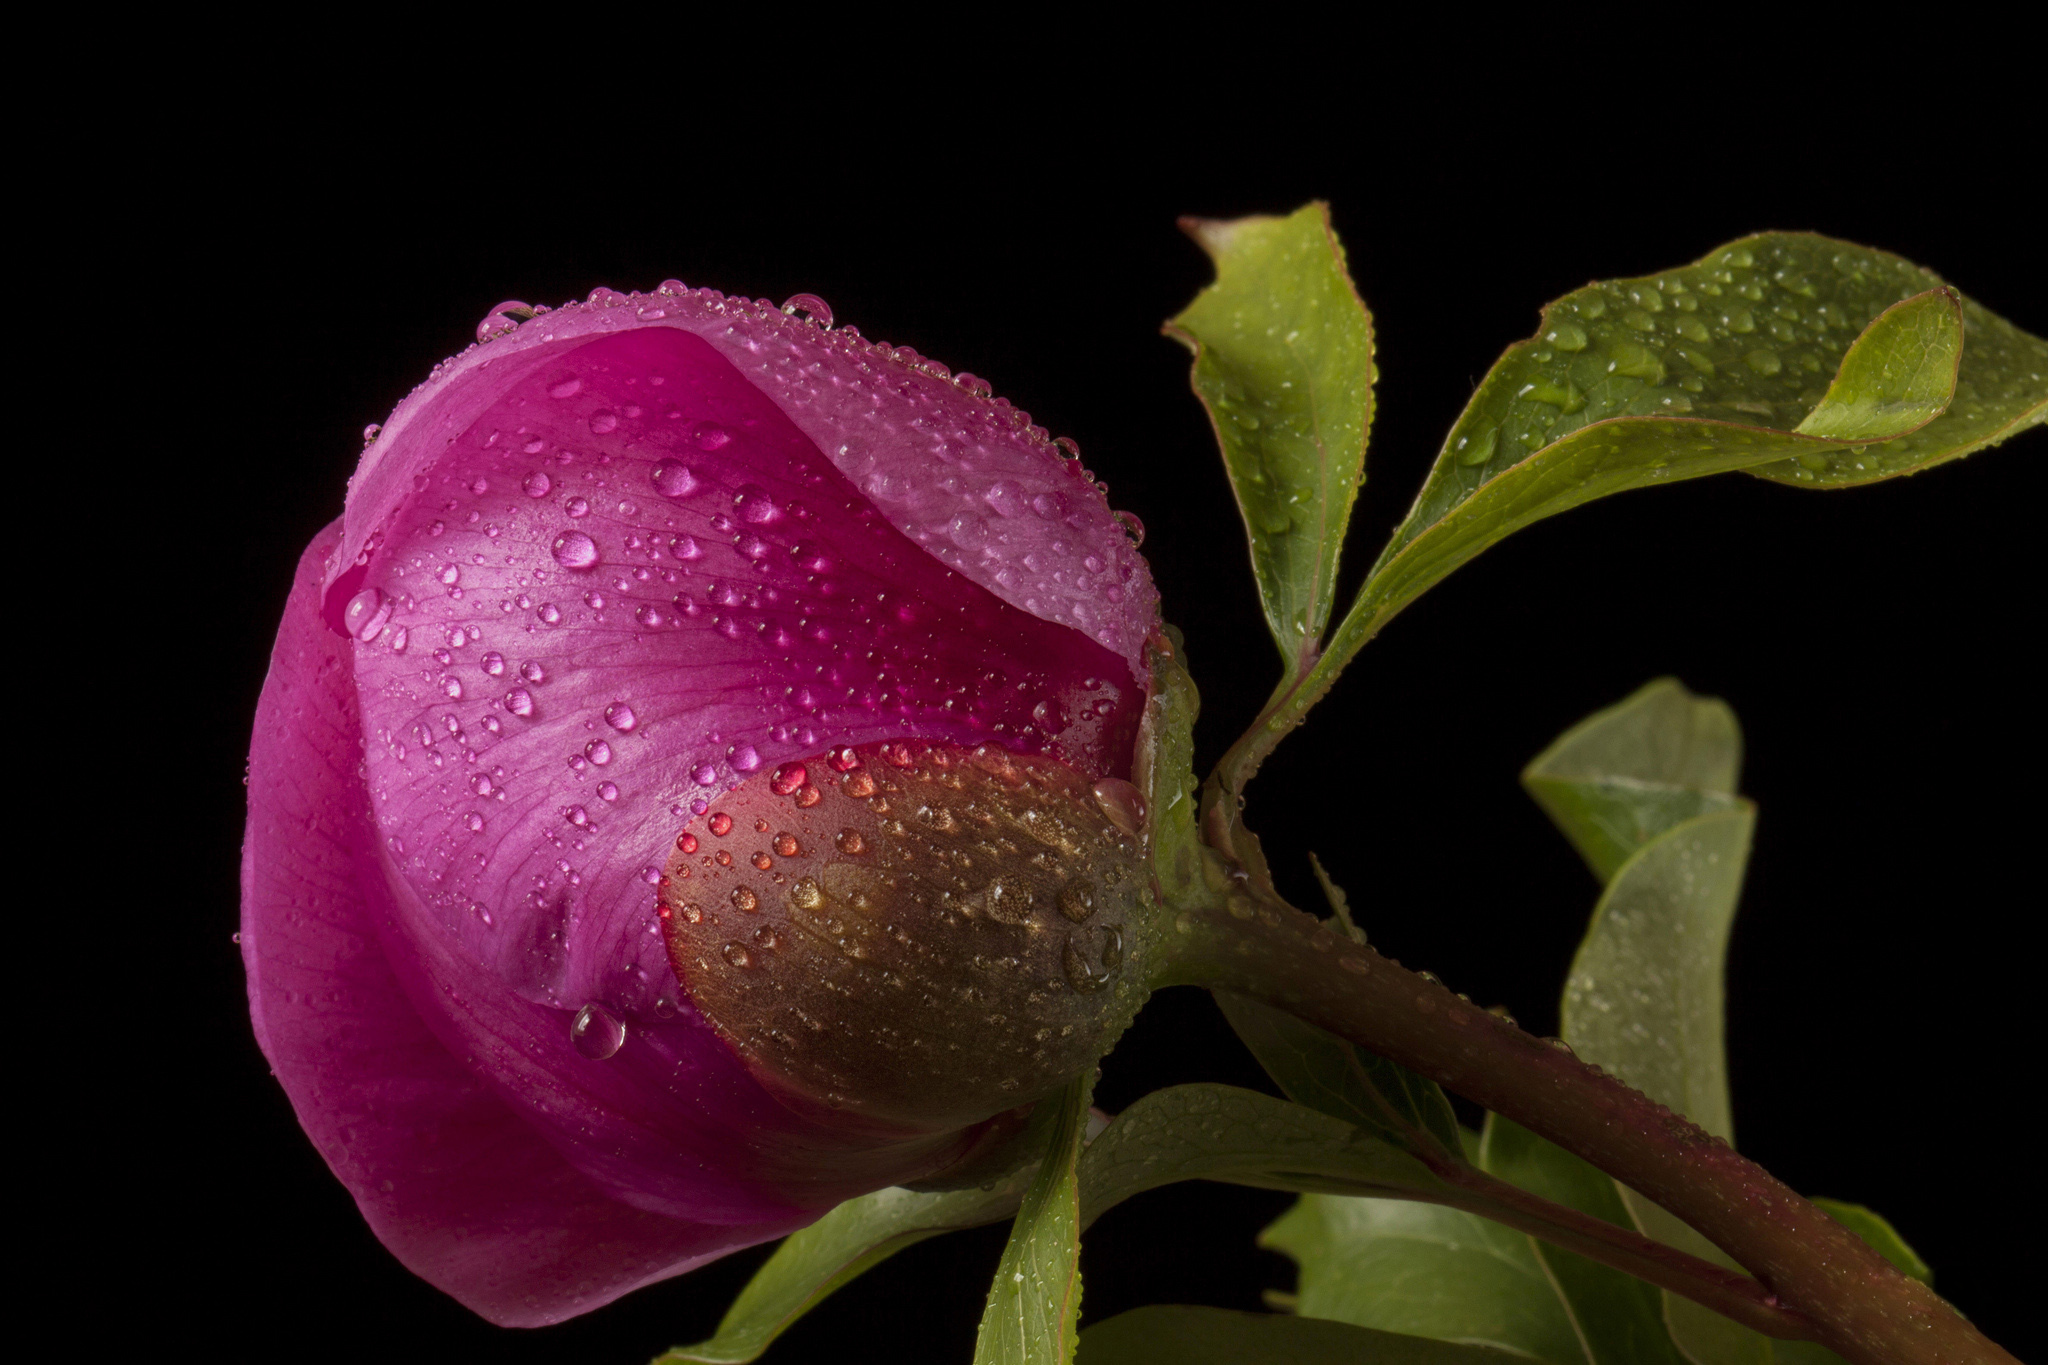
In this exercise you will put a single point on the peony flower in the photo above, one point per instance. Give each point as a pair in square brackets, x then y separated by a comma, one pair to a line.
[645, 605]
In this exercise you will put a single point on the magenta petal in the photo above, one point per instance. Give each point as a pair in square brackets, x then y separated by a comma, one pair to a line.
[627, 586]
[464, 1191]
[963, 474]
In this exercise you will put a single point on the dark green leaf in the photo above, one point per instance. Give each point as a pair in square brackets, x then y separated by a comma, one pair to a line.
[1180, 1334]
[1219, 1132]
[1620, 1318]
[845, 1243]
[1283, 363]
[1881, 1235]
[1626, 774]
[1716, 366]
[1324, 1072]
[1035, 1299]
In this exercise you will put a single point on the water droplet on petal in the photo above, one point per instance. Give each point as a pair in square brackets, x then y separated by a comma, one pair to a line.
[604, 421]
[574, 550]
[366, 614]
[744, 758]
[537, 484]
[788, 778]
[597, 1032]
[709, 436]
[810, 304]
[673, 479]
[519, 702]
[620, 717]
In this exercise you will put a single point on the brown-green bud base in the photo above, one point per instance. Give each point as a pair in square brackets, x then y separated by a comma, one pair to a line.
[916, 935]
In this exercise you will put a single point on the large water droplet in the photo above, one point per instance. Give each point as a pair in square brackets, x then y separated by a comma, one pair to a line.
[1077, 900]
[597, 1032]
[710, 436]
[620, 717]
[366, 614]
[673, 479]
[519, 702]
[574, 550]
[537, 484]
[810, 304]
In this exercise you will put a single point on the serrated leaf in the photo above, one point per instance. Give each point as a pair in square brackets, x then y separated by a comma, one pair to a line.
[1035, 1300]
[1283, 363]
[1716, 366]
[1425, 1270]
[1624, 775]
[1183, 1334]
[1318, 1069]
[846, 1243]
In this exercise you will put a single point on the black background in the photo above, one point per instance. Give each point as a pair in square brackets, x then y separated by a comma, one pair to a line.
[1874, 642]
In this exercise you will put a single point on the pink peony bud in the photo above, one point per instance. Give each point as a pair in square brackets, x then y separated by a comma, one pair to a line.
[623, 574]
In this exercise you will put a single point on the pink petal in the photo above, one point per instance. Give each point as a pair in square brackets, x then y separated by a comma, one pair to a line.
[965, 475]
[629, 584]
[475, 1165]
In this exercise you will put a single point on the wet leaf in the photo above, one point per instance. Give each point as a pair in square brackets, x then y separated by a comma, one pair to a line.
[1283, 363]
[846, 1243]
[1798, 357]
[1035, 1301]
[1425, 1270]
[1182, 1334]
[1624, 775]
[1320, 1070]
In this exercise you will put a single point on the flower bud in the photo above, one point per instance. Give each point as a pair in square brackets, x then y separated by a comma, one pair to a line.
[919, 935]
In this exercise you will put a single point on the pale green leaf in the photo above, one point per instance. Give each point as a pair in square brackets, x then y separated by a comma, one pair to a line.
[1182, 1334]
[1425, 1270]
[1035, 1300]
[1283, 363]
[1624, 775]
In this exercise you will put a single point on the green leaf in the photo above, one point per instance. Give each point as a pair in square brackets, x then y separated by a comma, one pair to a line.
[1644, 996]
[846, 1243]
[1881, 1235]
[1425, 1270]
[1716, 366]
[1283, 363]
[1036, 1297]
[1182, 1334]
[1620, 1318]
[1624, 775]
[1318, 1069]
[1220, 1132]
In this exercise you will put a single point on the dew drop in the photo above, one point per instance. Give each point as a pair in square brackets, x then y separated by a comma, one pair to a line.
[673, 479]
[620, 717]
[744, 758]
[737, 955]
[574, 550]
[744, 900]
[710, 436]
[788, 778]
[686, 843]
[568, 388]
[850, 842]
[538, 484]
[1077, 900]
[366, 614]
[810, 305]
[720, 824]
[597, 1032]
[604, 421]
[807, 894]
[842, 759]
[519, 702]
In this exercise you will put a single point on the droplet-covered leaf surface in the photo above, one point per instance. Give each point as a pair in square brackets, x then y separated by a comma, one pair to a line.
[1624, 775]
[1283, 362]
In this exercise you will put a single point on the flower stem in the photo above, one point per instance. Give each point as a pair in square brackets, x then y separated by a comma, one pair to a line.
[1838, 1290]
